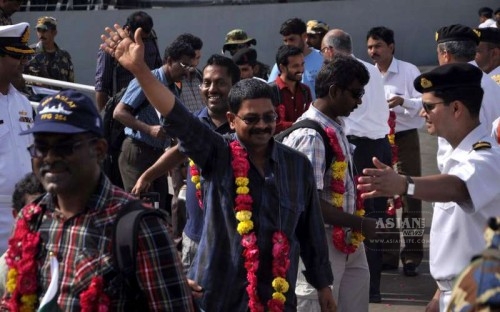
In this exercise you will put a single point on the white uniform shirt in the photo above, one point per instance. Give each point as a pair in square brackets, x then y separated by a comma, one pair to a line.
[488, 23]
[16, 115]
[398, 81]
[457, 228]
[490, 110]
[495, 75]
[370, 118]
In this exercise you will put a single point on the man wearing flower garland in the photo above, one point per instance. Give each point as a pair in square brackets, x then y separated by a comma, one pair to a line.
[339, 87]
[71, 227]
[261, 206]
[466, 193]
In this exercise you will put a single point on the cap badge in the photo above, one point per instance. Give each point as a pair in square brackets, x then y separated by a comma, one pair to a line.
[425, 83]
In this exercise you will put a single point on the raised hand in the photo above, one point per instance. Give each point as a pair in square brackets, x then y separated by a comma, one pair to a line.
[129, 53]
[381, 181]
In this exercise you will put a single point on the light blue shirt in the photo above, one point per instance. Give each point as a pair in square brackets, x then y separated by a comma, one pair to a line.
[312, 64]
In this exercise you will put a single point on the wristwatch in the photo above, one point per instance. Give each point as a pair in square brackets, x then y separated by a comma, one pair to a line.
[410, 186]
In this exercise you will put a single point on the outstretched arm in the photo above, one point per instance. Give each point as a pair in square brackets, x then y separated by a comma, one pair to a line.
[130, 54]
[383, 181]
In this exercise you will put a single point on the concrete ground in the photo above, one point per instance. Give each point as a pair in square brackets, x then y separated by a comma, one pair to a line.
[411, 294]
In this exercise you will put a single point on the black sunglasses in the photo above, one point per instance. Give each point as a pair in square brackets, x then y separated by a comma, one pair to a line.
[430, 106]
[62, 149]
[255, 119]
[357, 94]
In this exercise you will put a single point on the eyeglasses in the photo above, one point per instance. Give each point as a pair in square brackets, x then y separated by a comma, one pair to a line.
[357, 94]
[255, 119]
[323, 50]
[186, 66]
[62, 150]
[430, 106]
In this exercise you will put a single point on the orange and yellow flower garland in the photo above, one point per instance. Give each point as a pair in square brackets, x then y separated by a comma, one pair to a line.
[393, 203]
[281, 247]
[339, 169]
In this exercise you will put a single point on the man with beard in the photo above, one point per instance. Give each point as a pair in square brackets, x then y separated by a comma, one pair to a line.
[219, 75]
[339, 87]
[260, 202]
[294, 33]
[7, 8]
[16, 115]
[146, 139]
[294, 97]
[366, 128]
[50, 61]
[71, 227]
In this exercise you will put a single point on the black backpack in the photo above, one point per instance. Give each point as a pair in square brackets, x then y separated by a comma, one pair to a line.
[311, 124]
[125, 250]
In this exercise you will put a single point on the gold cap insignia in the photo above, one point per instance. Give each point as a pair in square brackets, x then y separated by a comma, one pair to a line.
[26, 36]
[425, 83]
[477, 32]
[437, 36]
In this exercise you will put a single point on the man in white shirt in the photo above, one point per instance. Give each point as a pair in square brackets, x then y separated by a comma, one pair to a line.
[16, 115]
[366, 128]
[458, 44]
[488, 52]
[405, 104]
[486, 18]
[466, 193]
[294, 32]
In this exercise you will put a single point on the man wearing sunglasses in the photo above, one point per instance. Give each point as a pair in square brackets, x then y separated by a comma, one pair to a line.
[260, 197]
[75, 218]
[338, 85]
[366, 128]
[466, 193]
[146, 138]
[16, 115]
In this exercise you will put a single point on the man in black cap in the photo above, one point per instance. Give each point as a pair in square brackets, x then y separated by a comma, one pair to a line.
[488, 52]
[16, 115]
[457, 44]
[246, 59]
[71, 226]
[466, 193]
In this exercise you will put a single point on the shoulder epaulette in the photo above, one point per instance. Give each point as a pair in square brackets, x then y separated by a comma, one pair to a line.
[481, 145]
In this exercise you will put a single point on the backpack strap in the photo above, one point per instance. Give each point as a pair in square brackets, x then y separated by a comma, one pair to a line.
[311, 124]
[125, 234]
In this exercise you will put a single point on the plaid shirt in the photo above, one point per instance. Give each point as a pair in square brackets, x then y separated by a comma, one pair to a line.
[286, 199]
[310, 142]
[191, 95]
[83, 246]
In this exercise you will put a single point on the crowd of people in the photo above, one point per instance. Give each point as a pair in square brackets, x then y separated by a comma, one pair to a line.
[248, 222]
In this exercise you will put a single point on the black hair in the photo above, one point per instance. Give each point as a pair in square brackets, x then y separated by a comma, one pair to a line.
[139, 19]
[293, 26]
[177, 49]
[220, 60]
[284, 52]
[486, 12]
[381, 33]
[192, 40]
[471, 97]
[28, 185]
[248, 89]
[341, 71]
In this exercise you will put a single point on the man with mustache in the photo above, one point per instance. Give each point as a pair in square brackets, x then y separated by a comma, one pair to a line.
[293, 97]
[50, 61]
[338, 88]
[260, 201]
[219, 74]
[405, 104]
[71, 227]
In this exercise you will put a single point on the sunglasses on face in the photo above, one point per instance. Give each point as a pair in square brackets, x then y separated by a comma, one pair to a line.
[66, 149]
[357, 94]
[430, 106]
[255, 119]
